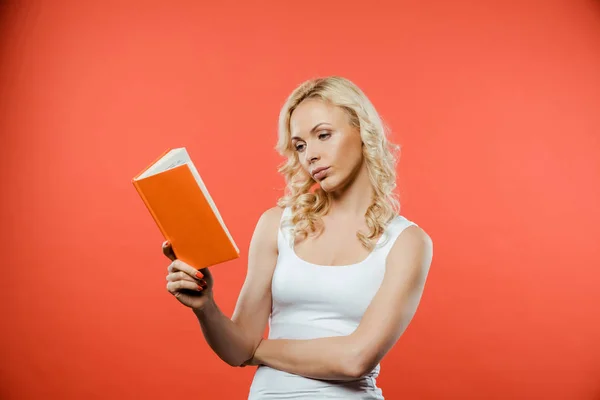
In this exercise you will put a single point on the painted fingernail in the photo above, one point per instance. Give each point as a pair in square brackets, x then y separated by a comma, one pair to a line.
[200, 275]
[199, 288]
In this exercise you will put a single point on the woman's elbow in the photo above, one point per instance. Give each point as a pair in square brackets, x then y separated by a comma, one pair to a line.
[241, 358]
[357, 367]
[357, 371]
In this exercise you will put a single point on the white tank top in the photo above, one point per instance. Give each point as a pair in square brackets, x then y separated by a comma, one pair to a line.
[312, 301]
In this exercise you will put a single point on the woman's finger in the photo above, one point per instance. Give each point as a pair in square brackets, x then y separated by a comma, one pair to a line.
[168, 251]
[182, 285]
[179, 276]
[179, 265]
[182, 276]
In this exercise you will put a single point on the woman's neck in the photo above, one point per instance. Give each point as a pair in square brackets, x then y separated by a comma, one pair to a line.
[355, 198]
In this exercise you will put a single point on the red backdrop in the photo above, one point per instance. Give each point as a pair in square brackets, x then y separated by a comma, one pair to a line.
[496, 105]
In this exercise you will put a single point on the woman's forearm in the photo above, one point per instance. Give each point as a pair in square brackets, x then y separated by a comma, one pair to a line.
[223, 336]
[332, 358]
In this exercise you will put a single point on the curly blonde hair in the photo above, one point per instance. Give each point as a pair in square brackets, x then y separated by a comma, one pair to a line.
[309, 205]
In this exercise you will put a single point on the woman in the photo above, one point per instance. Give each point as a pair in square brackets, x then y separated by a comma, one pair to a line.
[335, 270]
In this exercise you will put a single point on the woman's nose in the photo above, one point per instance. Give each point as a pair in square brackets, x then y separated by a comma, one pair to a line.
[312, 156]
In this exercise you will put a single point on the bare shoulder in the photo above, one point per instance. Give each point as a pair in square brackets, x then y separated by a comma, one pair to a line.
[267, 226]
[413, 249]
[272, 215]
[414, 236]
[269, 220]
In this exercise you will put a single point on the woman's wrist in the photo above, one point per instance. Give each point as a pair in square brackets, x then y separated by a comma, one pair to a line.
[205, 309]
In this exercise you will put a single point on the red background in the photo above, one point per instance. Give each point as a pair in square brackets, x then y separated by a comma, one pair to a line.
[495, 103]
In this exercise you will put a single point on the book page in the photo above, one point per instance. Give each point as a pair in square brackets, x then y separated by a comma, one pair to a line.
[170, 160]
[211, 202]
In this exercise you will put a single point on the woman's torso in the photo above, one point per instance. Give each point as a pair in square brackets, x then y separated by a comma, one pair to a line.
[312, 301]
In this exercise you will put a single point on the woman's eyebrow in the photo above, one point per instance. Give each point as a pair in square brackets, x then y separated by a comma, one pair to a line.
[311, 131]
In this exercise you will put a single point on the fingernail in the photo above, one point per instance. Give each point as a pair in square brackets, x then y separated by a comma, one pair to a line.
[200, 288]
[203, 283]
[200, 275]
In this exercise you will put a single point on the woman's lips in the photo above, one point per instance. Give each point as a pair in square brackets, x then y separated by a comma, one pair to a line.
[320, 173]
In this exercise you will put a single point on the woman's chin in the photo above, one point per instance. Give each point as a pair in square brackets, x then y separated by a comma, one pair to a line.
[327, 184]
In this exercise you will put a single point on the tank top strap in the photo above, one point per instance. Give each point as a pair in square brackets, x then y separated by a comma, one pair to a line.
[285, 230]
[394, 228]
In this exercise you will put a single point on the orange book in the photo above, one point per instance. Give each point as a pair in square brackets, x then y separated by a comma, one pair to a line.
[185, 213]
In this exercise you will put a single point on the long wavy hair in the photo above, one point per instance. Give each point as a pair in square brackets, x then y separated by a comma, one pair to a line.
[309, 204]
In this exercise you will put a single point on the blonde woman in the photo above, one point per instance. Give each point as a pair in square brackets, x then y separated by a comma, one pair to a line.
[334, 268]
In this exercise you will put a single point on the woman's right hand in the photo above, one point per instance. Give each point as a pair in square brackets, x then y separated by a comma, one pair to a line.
[191, 287]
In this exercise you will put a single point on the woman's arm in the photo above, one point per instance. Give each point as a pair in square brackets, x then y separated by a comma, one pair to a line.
[386, 318]
[235, 340]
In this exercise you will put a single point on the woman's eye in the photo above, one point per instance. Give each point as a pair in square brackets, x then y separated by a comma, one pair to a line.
[324, 135]
[299, 147]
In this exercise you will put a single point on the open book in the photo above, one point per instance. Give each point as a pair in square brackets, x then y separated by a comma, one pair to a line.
[186, 215]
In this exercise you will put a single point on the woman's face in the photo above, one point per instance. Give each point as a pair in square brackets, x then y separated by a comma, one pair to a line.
[328, 146]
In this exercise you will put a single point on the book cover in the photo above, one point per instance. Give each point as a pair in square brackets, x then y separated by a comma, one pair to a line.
[184, 212]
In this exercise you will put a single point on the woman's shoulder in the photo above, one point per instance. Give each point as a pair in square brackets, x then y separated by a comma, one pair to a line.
[270, 219]
[408, 233]
[273, 214]
[265, 232]
[402, 227]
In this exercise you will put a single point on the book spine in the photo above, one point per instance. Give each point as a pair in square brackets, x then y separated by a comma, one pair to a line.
[147, 203]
